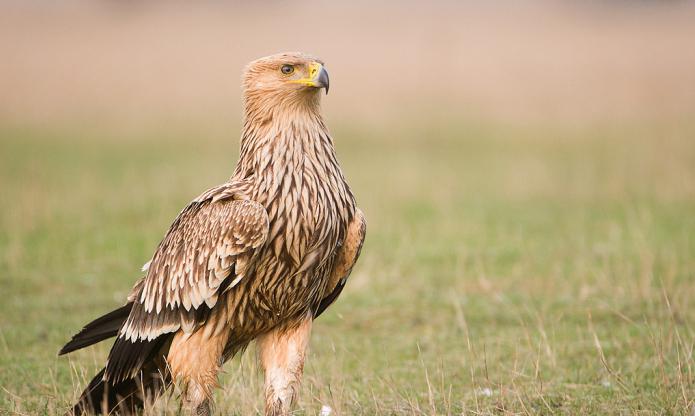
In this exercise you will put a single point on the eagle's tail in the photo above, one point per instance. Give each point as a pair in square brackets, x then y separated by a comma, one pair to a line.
[124, 397]
[98, 330]
[100, 396]
[148, 379]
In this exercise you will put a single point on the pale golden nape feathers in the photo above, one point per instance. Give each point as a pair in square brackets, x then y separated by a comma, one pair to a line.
[258, 257]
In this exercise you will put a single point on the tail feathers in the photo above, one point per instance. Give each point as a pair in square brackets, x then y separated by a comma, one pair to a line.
[123, 398]
[102, 397]
[98, 330]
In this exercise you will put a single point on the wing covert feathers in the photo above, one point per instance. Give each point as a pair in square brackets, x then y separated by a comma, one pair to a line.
[213, 239]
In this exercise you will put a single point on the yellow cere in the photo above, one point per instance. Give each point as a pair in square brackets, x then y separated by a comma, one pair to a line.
[314, 71]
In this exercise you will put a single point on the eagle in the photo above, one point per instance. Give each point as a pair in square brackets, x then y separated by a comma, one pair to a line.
[257, 258]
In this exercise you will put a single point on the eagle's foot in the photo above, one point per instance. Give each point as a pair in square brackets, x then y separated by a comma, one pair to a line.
[196, 402]
[203, 409]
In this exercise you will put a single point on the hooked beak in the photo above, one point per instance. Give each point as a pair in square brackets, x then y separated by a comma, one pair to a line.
[318, 77]
[322, 79]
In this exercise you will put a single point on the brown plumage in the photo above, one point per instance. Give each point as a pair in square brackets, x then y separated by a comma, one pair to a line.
[256, 258]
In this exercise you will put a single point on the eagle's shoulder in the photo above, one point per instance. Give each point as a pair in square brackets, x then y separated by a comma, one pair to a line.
[209, 248]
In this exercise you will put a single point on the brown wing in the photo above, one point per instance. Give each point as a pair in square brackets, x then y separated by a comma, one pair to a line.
[347, 257]
[209, 248]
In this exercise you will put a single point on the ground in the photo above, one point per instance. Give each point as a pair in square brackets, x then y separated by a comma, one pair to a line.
[532, 269]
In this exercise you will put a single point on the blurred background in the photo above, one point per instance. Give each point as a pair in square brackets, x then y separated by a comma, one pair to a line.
[139, 63]
[527, 170]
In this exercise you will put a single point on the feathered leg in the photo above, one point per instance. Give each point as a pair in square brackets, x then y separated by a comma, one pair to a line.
[194, 361]
[282, 352]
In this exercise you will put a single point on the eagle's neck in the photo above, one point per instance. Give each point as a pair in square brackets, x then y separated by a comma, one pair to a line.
[288, 153]
[279, 133]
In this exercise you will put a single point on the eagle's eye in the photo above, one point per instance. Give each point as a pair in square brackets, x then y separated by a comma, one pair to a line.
[287, 69]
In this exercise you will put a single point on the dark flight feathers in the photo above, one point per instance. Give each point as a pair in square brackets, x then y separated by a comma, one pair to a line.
[102, 328]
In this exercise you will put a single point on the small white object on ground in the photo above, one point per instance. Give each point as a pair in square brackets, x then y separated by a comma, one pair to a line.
[326, 410]
[486, 391]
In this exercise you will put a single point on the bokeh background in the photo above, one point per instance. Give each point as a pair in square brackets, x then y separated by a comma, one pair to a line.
[527, 170]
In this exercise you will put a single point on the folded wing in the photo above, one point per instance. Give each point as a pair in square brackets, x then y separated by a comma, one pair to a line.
[210, 247]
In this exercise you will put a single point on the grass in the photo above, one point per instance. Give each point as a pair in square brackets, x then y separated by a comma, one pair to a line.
[534, 270]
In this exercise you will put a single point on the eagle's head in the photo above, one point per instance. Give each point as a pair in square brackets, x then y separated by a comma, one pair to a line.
[285, 77]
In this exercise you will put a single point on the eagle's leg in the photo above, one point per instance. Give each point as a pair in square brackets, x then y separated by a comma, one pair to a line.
[282, 353]
[194, 361]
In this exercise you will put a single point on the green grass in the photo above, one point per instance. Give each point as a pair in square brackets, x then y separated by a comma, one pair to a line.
[534, 270]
